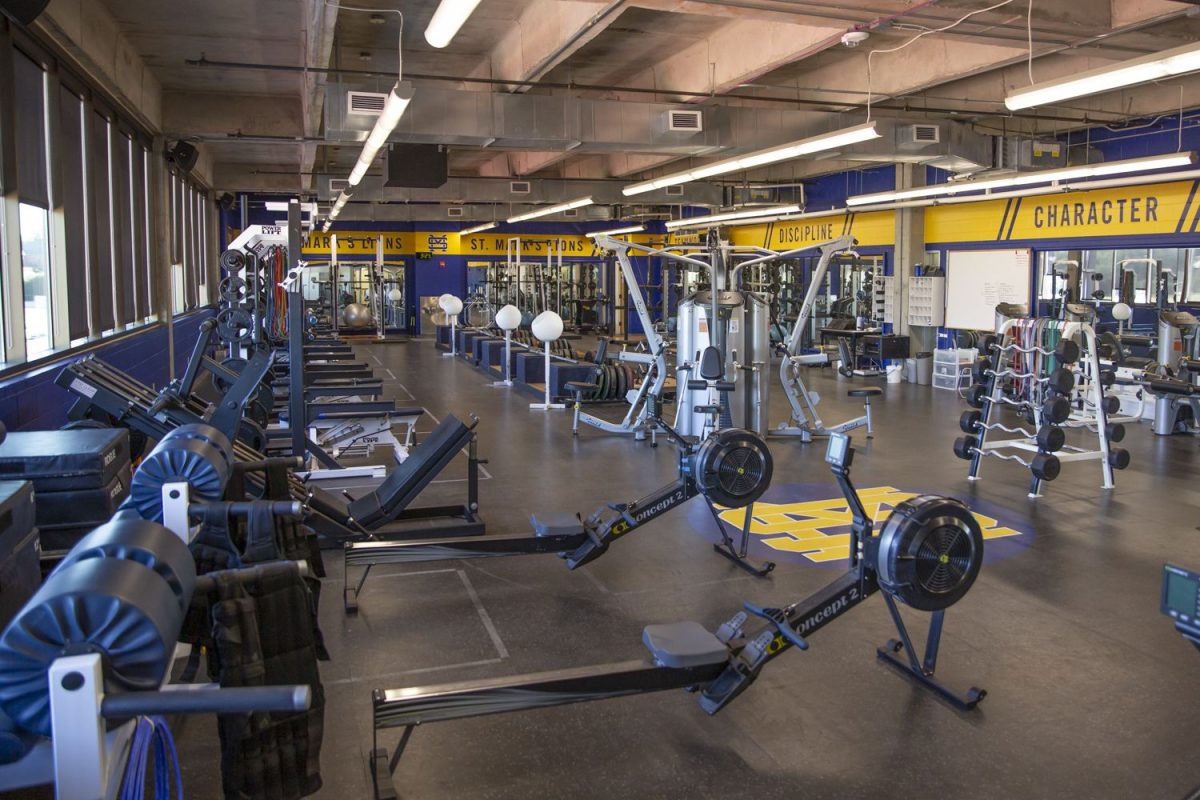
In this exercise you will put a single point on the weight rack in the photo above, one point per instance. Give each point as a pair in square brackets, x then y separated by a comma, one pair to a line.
[1022, 372]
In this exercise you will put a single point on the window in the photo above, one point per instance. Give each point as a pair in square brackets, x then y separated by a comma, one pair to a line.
[1102, 271]
[74, 211]
[35, 273]
[101, 265]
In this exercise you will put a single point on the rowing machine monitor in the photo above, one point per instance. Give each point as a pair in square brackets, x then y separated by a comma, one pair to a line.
[1181, 601]
[839, 454]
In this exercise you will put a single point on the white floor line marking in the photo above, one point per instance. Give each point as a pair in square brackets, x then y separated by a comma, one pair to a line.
[595, 581]
[392, 375]
[377, 361]
[483, 615]
[419, 671]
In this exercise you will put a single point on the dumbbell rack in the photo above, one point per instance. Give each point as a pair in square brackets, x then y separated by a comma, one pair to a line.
[1049, 387]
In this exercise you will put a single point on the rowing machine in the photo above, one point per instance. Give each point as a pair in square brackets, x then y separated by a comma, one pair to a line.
[731, 468]
[926, 556]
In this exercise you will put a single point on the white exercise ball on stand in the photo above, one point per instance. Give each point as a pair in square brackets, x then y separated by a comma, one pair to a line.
[394, 295]
[1121, 313]
[453, 307]
[508, 319]
[547, 327]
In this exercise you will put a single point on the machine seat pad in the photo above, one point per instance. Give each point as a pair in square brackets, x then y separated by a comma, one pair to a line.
[683, 644]
[866, 391]
[407, 480]
[555, 523]
[1172, 387]
[395, 413]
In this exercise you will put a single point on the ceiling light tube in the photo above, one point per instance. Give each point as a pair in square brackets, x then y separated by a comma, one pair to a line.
[449, 17]
[785, 152]
[484, 227]
[696, 222]
[1045, 176]
[617, 231]
[545, 212]
[393, 109]
[1106, 79]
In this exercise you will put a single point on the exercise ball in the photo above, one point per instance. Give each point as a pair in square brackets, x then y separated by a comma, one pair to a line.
[356, 315]
[394, 295]
[547, 326]
[450, 304]
[1121, 312]
[508, 318]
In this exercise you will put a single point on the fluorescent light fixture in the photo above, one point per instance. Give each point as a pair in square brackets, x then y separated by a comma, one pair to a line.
[328, 224]
[545, 212]
[697, 222]
[1028, 178]
[1106, 79]
[342, 199]
[282, 205]
[487, 226]
[449, 17]
[785, 152]
[617, 231]
[393, 109]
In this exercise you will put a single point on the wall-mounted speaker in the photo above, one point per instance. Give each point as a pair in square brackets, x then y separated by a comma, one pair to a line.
[183, 155]
[23, 11]
[226, 201]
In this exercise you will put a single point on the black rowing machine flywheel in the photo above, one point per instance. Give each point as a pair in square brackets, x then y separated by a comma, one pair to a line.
[930, 551]
[732, 467]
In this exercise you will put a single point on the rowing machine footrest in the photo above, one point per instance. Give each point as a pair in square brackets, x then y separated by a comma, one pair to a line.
[555, 524]
[680, 645]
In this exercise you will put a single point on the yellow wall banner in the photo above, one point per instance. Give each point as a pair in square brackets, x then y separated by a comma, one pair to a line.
[532, 245]
[870, 229]
[359, 243]
[1156, 209]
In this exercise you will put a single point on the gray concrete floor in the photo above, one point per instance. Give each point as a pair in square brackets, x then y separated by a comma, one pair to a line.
[1090, 691]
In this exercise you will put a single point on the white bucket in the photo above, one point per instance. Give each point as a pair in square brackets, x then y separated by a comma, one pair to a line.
[893, 372]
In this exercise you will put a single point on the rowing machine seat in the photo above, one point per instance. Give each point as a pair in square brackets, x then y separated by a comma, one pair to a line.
[865, 391]
[680, 645]
[555, 524]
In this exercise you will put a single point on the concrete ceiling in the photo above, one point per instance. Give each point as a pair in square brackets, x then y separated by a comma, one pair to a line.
[264, 129]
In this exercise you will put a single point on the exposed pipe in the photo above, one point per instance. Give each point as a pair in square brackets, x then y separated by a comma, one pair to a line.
[586, 87]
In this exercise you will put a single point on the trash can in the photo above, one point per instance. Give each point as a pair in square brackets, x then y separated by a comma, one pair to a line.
[910, 370]
[924, 368]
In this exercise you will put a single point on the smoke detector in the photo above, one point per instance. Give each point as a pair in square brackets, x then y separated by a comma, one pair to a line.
[854, 38]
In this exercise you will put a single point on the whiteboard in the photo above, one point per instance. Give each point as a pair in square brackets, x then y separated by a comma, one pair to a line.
[978, 280]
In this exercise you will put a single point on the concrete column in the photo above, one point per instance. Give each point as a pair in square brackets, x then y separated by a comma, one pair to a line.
[910, 250]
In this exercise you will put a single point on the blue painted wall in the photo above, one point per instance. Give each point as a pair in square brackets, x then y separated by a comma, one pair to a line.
[31, 401]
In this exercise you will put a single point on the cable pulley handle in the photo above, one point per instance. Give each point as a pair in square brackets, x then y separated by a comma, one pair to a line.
[188, 699]
[778, 619]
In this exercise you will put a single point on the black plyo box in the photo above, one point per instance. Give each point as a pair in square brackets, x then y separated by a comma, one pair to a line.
[57, 461]
[82, 506]
[16, 513]
[20, 576]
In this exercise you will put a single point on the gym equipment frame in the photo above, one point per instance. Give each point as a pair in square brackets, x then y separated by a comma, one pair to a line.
[926, 556]
[731, 468]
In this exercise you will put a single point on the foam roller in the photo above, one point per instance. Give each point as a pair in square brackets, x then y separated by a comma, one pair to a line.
[120, 609]
[198, 455]
[147, 543]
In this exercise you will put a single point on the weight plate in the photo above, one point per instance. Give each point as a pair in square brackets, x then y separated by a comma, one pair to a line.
[235, 325]
[601, 383]
[233, 261]
[622, 381]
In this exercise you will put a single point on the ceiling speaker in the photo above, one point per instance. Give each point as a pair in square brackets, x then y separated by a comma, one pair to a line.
[183, 155]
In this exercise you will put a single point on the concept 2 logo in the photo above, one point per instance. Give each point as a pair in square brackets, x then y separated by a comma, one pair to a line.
[811, 523]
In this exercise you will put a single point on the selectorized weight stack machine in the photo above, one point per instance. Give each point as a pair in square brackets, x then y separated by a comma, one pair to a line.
[926, 556]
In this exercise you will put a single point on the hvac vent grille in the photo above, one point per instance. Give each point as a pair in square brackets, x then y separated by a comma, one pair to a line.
[520, 187]
[338, 185]
[675, 191]
[926, 134]
[454, 211]
[367, 104]
[686, 121]
[571, 212]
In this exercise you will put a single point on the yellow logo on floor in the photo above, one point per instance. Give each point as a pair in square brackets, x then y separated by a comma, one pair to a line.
[807, 527]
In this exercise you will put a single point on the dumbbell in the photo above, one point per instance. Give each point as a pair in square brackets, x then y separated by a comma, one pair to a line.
[1066, 351]
[1111, 404]
[969, 421]
[1056, 410]
[976, 395]
[1115, 431]
[1045, 466]
[1051, 438]
[1107, 378]
[1118, 457]
[964, 447]
[1061, 381]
